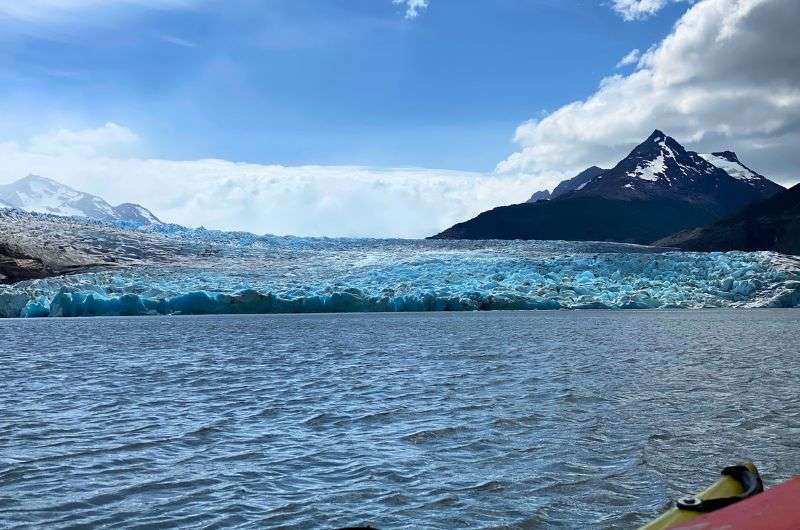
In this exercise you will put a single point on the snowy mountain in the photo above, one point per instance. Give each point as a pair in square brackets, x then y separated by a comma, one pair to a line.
[39, 194]
[660, 168]
[658, 189]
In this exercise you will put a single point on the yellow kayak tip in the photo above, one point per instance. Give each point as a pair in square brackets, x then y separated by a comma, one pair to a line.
[736, 483]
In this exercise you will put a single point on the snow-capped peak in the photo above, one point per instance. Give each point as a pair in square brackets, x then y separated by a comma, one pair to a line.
[653, 156]
[660, 167]
[43, 195]
[38, 194]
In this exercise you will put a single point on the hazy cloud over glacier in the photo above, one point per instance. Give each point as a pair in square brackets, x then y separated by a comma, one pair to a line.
[300, 200]
[726, 77]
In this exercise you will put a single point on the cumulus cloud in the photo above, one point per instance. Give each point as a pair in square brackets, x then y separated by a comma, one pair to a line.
[303, 200]
[726, 77]
[413, 7]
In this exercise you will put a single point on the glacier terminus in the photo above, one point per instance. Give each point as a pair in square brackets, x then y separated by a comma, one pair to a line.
[144, 269]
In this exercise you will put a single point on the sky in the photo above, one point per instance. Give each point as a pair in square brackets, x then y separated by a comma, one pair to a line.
[380, 118]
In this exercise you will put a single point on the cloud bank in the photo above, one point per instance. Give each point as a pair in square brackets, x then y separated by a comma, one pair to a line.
[727, 76]
[304, 200]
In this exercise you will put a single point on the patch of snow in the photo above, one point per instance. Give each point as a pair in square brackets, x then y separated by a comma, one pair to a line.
[734, 169]
[668, 149]
[652, 170]
[35, 195]
[145, 213]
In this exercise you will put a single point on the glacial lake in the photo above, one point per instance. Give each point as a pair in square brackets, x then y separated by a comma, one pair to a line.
[550, 419]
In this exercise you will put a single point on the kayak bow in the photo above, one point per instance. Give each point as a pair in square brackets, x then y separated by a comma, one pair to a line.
[737, 483]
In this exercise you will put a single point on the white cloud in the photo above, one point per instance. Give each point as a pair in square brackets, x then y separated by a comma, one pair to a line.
[304, 200]
[631, 58]
[638, 9]
[413, 7]
[726, 77]
[109, 138]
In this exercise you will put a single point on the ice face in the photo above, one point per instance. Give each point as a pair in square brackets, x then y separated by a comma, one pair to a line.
[242, 273]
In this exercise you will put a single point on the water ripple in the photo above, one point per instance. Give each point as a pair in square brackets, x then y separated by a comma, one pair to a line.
[490, 420]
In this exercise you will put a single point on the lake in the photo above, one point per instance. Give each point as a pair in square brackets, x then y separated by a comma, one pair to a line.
[550, 419]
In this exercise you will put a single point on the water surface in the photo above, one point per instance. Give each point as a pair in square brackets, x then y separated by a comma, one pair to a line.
[446, 420]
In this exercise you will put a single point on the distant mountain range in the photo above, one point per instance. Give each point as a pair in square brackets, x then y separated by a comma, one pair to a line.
[660, 188]
[43, 195]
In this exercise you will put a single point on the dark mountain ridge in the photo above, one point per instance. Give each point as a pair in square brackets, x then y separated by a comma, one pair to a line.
[773, 224]
[660, 168]
[658, 189]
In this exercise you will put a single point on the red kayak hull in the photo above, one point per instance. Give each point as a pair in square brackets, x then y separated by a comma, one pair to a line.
[778, 508]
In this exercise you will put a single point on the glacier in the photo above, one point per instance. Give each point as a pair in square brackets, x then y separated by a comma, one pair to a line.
[182, 271]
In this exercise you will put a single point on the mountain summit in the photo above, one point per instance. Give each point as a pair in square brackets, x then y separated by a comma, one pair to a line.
[43, 195]
[658, 189]
[660, 168]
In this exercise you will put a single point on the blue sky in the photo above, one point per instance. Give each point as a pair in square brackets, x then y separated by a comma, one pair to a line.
[317, 81]
[304, 116]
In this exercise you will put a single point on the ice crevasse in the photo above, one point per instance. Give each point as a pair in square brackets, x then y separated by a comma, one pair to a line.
[294, 275]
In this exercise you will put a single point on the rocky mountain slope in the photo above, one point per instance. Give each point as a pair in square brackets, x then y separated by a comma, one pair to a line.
[575, 183]
[773, 224]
